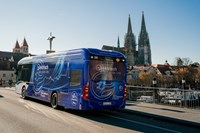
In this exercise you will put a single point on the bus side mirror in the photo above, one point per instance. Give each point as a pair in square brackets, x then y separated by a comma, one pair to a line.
[16, 71]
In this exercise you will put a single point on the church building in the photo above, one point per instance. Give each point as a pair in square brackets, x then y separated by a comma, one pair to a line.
[9, 60]
[21, 49]
[135, 55]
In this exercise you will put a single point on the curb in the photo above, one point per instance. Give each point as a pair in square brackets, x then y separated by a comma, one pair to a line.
[159, 117]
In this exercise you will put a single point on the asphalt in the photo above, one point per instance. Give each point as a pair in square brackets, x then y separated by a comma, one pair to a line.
[190, 117]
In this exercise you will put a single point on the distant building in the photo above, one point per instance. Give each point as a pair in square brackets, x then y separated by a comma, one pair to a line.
[24, 48]
[163, 70]
[142, 56]
[9, 60]
[144, 48]
[8, 63]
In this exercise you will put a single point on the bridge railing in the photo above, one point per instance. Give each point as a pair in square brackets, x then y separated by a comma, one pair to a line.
[189, 98]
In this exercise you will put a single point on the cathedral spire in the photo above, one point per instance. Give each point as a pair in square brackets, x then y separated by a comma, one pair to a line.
[143, 26]
[129, 31]
[130, 45]
[17, 44]
[25, 42]
[144, 48]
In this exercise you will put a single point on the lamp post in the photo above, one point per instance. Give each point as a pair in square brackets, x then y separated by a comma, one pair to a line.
[154, 90]
[183, 87]
[183, 83]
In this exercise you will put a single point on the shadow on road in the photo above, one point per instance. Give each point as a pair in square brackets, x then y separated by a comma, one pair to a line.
[100, 116]
[118, 118]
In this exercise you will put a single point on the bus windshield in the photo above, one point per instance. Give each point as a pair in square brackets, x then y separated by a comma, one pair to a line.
[24, 72]
[104, 69]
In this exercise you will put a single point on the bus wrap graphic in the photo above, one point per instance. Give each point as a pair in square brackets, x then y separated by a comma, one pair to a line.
[41, 70]
[102, 89]
[103, 76]
[47, 76]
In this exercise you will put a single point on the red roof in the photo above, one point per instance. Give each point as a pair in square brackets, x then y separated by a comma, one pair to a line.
[17, 44]
[25, 43]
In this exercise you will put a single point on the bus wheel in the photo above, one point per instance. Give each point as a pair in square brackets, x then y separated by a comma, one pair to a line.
[54, 100]
[24, 93]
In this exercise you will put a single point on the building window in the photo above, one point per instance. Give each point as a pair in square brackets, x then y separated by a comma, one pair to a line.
[12, 75]
[4, 75]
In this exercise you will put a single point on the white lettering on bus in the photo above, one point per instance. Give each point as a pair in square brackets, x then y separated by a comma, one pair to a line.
[43, 67]
[103, 68]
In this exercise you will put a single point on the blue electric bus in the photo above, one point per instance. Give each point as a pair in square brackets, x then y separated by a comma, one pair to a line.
[81, 79]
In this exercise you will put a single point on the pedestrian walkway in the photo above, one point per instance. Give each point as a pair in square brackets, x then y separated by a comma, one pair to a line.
[184, 115]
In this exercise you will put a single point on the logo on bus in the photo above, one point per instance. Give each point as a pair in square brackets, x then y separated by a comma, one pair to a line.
[102, 90]
[41, 72]
[42, 67]
[74, 98]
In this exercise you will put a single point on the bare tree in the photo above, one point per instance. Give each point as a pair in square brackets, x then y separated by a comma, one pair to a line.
[183, 61]
[186, 61]
[178, 61]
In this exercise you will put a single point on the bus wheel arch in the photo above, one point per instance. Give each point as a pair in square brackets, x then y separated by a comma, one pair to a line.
[23, 93]
[54, 100]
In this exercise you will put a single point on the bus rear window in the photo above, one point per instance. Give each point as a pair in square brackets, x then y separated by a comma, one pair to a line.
[106, 70]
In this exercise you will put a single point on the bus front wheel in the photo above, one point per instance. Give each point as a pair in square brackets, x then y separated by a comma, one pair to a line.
[24, 92]
[54, 100]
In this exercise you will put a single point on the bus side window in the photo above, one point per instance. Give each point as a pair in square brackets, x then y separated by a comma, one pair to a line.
[75, 77]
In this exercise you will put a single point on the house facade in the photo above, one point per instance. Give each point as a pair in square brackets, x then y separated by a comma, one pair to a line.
[9, 60]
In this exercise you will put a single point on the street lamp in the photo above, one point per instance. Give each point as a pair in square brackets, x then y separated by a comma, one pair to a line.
[183, 87]
[154, 82]
[154, 90]
[183, 83]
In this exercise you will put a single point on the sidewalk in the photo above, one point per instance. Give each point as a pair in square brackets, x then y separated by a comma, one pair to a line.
[176, 114]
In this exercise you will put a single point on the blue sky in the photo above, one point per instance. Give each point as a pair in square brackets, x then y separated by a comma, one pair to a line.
[173, 25]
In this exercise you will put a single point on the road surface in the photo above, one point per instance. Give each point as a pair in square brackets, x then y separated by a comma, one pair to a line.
[32, 116]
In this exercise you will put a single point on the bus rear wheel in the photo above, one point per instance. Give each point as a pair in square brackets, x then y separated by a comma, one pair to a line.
[54, 100]
[23, 92]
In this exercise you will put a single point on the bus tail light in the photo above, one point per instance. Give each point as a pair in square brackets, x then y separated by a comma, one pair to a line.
[125, 92]
[85, 91]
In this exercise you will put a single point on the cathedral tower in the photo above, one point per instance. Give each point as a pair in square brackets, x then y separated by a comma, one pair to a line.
[16, 49]
[130, 45]
[24, 47]
[139, 56]
[144, 49]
